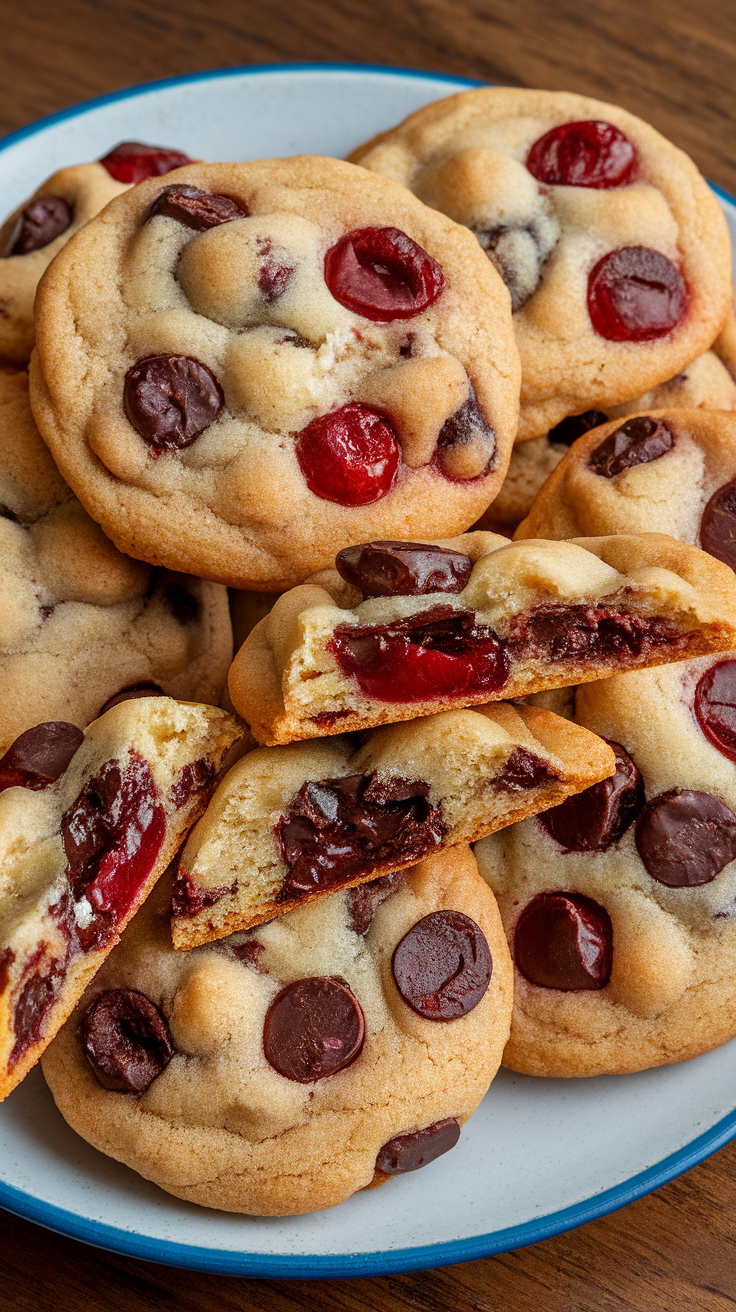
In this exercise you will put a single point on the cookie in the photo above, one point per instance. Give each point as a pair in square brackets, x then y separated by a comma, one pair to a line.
[614, 248]
[278, 1071]
[87, 824]
[80, 621]
[289, 824]
[37, 230]
[245, 370]
[406, 629]
[667, 470]
[619, 904]
[705, 384]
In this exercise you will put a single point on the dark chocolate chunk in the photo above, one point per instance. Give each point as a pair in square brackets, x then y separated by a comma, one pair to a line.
[637, 442]
[40, 755]
[337, 829]
[553, 631]
[7, 957]
[524, 770]
[197, 209]
[38, 224]
[404, 569]
[364, 901]
[718, 525]
[37, 995]
[314, 1028]
[715, 706]
[171, 399]
[130, 694]
[126, 1040]
[573, 427]
[409, 1152]
[685, 838]
[598, 817]
[442, 966]
[564, 941]
[188, 900]
[466, 446]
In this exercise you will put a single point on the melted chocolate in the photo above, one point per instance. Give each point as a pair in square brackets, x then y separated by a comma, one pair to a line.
[442, 966]
[557, 632]
[40, 755]
[564, 941]
[523, 770]
[314, 1028]
[364, 901]
[685, 838]
[408, 569]
[715, 706]
[188, 900]
[466, 446]
[718, 525]
[595, 819]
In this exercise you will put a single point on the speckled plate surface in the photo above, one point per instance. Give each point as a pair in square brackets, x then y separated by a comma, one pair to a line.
[540, 1156]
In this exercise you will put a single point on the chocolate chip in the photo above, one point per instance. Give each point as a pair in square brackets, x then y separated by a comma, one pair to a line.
[553, 631]
[718, 525]
[524, 770]
[129, 694]
[40, 223]
[564, 941]
[466, 446]
[406, 569]
[685, 838]
[171, 399]
[595, 819]
[126, 1040]
[336, 829]
[409, 1152]
[181, 604]
[715, 706]
[363, 902]
[442, 966]
[573, 427]
[188, 900]
[314, 1028]
[40, 755]
[637, 442]
[197, 209]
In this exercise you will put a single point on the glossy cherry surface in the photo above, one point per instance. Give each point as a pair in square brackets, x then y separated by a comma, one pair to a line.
[382, 274]
[350, 456]
[589, 153]
[636, 294]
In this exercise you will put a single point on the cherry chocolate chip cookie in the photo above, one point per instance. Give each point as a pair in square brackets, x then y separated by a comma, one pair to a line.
[404, 629]
[87, 824]
[34, 234]
[613, 247]
[277, 1071]
[82, 623]
[282, 358]
[619, 903]
[290, 824]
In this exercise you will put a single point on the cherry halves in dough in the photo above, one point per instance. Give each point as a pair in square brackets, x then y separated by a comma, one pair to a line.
[427, 634]
[87, 824]
[290, 824]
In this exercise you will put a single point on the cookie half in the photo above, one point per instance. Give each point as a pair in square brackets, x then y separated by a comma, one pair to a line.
[289, 824]
[613, 246]
[420, 627]
[278, 1071]
[87, 824]
[619, 904]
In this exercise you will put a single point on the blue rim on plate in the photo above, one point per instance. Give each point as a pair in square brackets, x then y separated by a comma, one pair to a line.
[342, 1265]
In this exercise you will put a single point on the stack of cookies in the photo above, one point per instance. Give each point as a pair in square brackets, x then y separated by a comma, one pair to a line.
[240, 915]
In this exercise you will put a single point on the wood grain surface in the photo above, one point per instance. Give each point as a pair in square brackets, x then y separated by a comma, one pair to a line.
[673, 62]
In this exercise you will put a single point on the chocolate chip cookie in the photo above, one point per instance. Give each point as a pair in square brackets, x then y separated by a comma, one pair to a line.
[278, 1071]
[289, 824]
[400, 630]
[248, 368]
[619, 904]
[37, 230]
[87, 824]
[80, 622]
[614, 248]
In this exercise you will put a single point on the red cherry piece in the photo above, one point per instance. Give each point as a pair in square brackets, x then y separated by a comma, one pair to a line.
[38, 991]
[126, 1040]
[112, 835]
[585, 154]
[349, 456]
[442, 966]
[382, 274]
[718, 525]
[564, 941]
[715, 707]
[439, 654]
[133, 161]
[171, 399]
[595, 819]
[685, 838]
[314, 1028]
[636, 295]
[40, 755]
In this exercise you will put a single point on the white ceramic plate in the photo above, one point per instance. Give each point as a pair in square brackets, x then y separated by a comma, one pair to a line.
[540, 1156]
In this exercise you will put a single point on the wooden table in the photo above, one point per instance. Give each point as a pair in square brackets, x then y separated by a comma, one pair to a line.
[674, 63]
